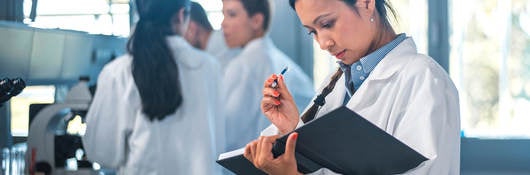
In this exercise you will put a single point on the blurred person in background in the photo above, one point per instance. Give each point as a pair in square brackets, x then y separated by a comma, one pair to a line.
[201, 35]
[245, 26]
[156, 108]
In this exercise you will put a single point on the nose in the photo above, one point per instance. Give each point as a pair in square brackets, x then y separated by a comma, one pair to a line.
[326, 43]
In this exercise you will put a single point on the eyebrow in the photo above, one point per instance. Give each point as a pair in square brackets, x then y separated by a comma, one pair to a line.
[320, 17]
[317, 19]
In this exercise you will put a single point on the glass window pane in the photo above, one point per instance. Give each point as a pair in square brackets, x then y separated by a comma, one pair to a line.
[490, 61]
[92, 16]
[20, 106]
[214, 10]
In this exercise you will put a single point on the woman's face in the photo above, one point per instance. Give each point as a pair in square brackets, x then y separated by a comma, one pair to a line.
[338, 28]
[238, 28]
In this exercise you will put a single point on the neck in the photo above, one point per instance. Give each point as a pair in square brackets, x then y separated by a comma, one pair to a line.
[383, 36]
[259, 34]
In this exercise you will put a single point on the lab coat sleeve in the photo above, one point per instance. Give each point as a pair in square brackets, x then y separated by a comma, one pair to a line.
[273, 130]
[243, 87]
[218, 119]
[106, 133]
[430, 122]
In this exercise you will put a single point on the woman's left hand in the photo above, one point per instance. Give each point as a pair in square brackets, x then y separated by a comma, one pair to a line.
[259, 152]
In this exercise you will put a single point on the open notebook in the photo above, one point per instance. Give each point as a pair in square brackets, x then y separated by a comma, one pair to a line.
[341, 141]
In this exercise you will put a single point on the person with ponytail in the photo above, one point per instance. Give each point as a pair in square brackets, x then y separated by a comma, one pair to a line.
[380, 76]
[157, 108]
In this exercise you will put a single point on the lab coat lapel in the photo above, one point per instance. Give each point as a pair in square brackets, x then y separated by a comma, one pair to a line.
[382, 74]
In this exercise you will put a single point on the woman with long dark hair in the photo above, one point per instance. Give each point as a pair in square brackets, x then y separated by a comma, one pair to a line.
[155, 108]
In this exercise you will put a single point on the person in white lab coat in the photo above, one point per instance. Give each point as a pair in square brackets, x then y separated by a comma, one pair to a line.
[245, 25]
[381, 77]
[201, 35]
[156, 108]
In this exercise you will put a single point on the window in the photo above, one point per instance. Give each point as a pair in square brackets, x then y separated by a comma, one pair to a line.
[214, 10]
[20, 106]
[490, 61]
[92, 16]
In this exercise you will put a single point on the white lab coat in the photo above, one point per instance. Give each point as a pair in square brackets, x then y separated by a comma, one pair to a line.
[217, 47]
[243, 80]
[120, 136]
[412, 98]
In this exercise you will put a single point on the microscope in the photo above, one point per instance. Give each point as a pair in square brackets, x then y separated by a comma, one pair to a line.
[10, 88]
[48, 141]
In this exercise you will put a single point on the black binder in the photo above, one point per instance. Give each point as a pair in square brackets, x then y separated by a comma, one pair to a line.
[343, 142]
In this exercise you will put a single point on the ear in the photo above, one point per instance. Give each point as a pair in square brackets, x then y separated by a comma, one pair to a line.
[182, 16]
[257, 21]
[192, 29]
[180, 22]
[369, 4]
[366, 7]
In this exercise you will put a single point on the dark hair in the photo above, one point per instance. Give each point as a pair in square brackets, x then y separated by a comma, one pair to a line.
[259, 6]
[154, 69]
[380, 6]
[320, 100]
[198, 15]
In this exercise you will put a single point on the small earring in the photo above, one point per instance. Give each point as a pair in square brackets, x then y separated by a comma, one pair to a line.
[372, 19]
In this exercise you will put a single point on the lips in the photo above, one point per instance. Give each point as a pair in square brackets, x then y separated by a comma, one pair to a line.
[340, 54]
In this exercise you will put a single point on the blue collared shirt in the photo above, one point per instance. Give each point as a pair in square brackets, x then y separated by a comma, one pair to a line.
[361, 69]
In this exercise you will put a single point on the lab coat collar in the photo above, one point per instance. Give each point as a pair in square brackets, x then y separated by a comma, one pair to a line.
[259, 43]
[383, 71]
[180, 48]
[387, 67]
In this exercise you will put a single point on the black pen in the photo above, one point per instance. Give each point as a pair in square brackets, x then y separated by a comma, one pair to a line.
[275, 83]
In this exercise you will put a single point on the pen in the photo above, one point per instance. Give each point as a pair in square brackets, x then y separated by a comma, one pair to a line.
[275, 83]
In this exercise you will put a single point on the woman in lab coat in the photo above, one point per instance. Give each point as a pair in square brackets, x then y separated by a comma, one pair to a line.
[245, 25]
[155, 109]
[405, 93]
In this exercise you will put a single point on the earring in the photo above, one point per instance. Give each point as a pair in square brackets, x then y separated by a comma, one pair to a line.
[372, 19]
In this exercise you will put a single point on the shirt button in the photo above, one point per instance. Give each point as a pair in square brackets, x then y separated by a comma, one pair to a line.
[359, 67]
[362, 77]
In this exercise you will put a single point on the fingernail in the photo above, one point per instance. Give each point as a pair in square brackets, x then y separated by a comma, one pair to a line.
[276, 93]
[277, 102]
[295, 135]
[281, 77]
[274, 76]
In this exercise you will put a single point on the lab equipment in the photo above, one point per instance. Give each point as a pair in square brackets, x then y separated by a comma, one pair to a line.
[10, 88]
[49, 143]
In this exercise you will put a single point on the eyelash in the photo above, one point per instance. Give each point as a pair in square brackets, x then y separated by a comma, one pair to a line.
[325, 25]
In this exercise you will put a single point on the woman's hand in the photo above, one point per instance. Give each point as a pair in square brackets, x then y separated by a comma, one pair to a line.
[259, 152]
[279, 106]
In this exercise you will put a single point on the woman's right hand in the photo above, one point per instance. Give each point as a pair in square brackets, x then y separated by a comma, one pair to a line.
[279, 106]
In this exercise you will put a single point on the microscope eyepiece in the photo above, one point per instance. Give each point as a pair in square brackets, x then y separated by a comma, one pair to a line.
[10, 88]
[18, 86]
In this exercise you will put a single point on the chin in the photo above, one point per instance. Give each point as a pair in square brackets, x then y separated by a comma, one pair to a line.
[231, 46]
